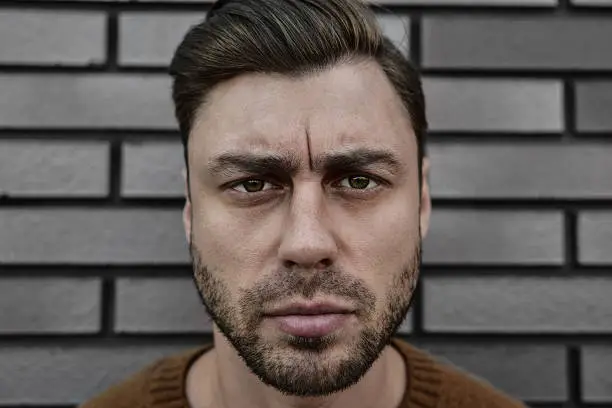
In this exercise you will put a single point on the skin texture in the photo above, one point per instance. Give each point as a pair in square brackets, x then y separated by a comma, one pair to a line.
[314, 230]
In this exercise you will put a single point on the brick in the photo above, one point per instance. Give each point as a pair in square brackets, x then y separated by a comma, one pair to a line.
[140, 101]
[70, 375]
[520, 170]
[150, 38]
[92, 236]
[159, 305]
[509, 105]
[527, 372]
[153, 169]
[595, 237]
[497, 304]
[52, 37]
[31, 168]
[397, 28]
[49, 305]
[495, 237]
[607, 3]
[549, 42]
[596, 368]
[593, 106]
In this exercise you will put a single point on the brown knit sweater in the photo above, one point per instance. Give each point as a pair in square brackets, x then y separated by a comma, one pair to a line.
[430, 384]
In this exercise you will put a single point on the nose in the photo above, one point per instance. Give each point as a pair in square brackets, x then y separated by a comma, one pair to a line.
[307, 240]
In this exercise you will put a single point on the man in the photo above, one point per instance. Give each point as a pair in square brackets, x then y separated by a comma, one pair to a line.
[306, 203]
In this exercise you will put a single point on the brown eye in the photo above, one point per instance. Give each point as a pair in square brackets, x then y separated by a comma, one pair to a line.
[358, 183]
[252, 186]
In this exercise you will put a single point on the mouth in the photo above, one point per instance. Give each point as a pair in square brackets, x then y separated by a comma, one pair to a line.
[310, 309]
[315, 319]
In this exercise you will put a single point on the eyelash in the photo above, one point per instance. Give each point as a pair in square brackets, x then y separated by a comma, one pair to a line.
[372, 178]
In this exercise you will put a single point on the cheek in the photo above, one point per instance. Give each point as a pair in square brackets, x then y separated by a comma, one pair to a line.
[382, 243]
[232, 241]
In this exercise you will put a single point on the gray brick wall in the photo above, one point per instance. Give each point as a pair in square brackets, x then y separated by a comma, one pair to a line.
[521, 170]
[150, 38]
[53, 375]
[604, 3]
[39, 37]
[50, 305]
[595, 237]
[159, 306]
[85, 101]
[54, 168]
[494, 105]
[91, 236]
[538, 304]
[531, 372]
[153, 169]
[593, 104]
[497, 42]
[597, 365]
[94, 273]
[495, 237]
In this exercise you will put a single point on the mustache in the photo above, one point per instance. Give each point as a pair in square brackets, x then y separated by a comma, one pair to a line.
[285, 284]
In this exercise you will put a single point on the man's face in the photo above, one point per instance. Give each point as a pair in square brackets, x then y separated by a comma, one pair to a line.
[305, 221]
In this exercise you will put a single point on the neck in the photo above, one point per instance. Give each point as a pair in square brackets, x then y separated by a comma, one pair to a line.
[221, 379]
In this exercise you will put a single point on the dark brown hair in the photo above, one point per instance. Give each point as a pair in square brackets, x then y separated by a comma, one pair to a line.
[290, 37]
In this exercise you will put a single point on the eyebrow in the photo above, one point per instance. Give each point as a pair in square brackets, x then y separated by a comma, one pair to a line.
[289, 164]
[254, 163]
[356, 159]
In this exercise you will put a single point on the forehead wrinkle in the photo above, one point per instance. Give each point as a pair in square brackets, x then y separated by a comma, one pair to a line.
[309, 146]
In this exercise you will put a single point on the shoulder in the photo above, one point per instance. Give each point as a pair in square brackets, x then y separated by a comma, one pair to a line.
[448, 386]
[128, 393]
[462, 389]
[165, 376]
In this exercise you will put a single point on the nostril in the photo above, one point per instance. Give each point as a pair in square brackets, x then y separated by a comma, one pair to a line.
[289, 264]
[322, 264]
[326, 263]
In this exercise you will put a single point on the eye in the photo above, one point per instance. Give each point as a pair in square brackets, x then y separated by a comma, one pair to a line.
[252, 186]
[358, 183]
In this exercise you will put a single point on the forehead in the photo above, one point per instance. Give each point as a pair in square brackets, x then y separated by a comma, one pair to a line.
[349, 105]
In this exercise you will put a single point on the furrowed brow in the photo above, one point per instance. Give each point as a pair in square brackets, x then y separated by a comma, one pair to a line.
[253, 164]
[357, 159]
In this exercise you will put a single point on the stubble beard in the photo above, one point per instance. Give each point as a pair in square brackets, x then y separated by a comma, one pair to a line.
[299, 366]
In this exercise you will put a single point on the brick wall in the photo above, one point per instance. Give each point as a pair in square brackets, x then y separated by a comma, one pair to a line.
[517, 285]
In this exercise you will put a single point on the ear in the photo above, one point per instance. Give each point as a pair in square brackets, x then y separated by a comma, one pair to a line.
[425, 198]
[187, 209]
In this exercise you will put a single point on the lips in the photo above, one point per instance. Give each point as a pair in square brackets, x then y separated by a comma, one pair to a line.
[310, 319]
[308, 309]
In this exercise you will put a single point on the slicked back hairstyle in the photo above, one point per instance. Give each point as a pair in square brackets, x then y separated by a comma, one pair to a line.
[290, 37]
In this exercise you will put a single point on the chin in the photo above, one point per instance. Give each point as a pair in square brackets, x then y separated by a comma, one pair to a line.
[315, 344]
